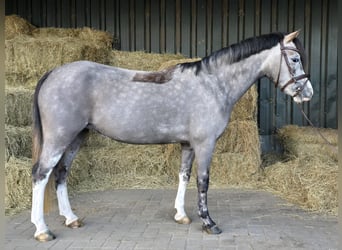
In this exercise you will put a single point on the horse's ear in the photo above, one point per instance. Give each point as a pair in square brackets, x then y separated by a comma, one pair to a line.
[289, 37]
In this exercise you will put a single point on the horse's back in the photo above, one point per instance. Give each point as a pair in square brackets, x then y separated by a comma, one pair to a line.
[87, 72]
[107, 98]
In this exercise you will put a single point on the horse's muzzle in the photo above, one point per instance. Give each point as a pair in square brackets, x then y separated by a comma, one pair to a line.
[305, 94]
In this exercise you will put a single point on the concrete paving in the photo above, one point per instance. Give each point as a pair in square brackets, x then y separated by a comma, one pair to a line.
[143, 219]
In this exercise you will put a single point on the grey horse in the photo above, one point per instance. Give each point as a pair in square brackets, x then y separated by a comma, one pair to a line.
[189, 104]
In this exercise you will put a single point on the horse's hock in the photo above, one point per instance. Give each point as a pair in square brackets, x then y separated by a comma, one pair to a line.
[31, 51]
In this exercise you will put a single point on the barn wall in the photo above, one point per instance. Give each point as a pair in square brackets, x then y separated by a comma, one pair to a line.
[199, 27]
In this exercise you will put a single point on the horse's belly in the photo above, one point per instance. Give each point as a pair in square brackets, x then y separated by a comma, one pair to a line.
[142, 133]
[142, 113]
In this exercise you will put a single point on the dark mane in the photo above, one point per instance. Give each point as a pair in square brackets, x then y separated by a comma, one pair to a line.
[241, 50]
[234, 53]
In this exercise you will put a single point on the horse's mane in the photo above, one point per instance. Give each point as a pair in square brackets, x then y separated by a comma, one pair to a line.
[234, 53]
[239, 51]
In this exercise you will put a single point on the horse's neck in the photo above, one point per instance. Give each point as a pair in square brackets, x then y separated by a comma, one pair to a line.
[238, 77]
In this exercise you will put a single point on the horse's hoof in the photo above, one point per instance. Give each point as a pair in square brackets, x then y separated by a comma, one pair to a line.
[75, 224]
[212, 230]
[46, 236]
[185, 220]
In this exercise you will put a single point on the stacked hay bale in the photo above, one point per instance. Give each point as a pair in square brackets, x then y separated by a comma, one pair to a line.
[103, 163]
[30, 54]
[15, 26]
[308, 176]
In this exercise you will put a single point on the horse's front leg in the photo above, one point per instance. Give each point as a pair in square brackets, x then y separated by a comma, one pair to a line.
[184, 177]
[203, 156]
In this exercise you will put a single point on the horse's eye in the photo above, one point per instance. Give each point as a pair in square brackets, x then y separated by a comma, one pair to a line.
[295, 60]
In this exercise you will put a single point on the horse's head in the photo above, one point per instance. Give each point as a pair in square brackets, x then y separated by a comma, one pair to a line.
[291, 78]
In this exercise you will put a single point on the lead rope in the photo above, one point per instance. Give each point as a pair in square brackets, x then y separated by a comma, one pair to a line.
[332, 147]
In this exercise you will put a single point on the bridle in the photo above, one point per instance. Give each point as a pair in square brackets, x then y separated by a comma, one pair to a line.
[294, 79]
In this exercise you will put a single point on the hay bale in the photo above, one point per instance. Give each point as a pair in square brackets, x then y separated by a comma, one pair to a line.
[308, 175]
[307, 181]
[56, 46]
[247, 106]
[18, 141]
[15, 26]
[240, 136]
[24, 64]
[96, 139]
[18, 109]
[121, 165]
[98, 38]
[235, 170]
[18, 184]
[305, 141]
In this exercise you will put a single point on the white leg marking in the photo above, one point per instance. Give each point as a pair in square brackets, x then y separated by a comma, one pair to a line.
[64, 204]
[179, 202]
[37, 212]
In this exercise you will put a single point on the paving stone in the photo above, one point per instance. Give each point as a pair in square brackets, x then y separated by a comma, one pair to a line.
[143, 219]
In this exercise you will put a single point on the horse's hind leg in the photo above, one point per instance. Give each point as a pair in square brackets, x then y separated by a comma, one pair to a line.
[184, 177]
[52, 152]
[61, 172]
[41, 172]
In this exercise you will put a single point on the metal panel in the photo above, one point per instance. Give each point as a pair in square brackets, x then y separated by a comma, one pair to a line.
[155, 27]
[196, 28]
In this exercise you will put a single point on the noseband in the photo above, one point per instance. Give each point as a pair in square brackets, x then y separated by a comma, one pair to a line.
[294, 79]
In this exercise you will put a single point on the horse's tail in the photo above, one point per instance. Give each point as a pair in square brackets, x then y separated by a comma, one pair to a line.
[37, 142]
